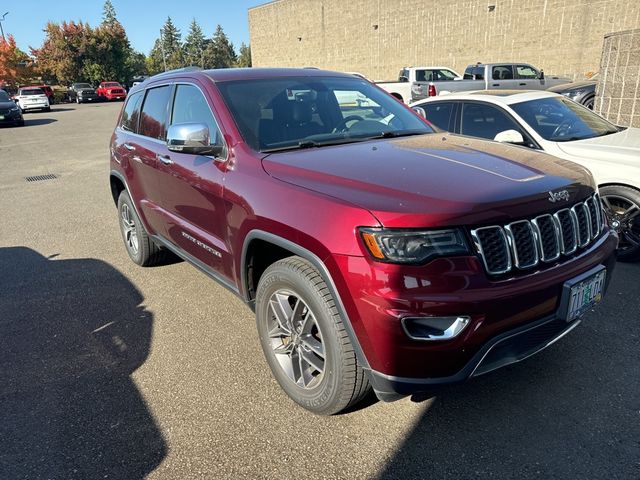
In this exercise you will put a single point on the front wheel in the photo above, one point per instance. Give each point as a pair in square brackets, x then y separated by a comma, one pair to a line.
[304, 339]
[622, 206]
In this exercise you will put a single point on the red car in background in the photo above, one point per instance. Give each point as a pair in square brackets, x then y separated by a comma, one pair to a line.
[111, 91]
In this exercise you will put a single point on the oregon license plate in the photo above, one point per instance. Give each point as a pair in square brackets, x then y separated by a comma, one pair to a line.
[584, 294]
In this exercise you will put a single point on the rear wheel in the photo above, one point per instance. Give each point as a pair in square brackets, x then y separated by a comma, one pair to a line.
[589, 102]
[304, 339]
[139, 245]
[622, 205]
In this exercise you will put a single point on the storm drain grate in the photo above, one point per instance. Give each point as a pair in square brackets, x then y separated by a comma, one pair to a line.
[39, 178]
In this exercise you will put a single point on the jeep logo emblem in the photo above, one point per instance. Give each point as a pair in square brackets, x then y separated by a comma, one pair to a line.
[557, 196]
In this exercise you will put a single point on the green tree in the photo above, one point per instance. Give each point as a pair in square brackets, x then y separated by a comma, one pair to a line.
[137, 64]
[220, 52]
[194, 45]
[155, 61]
[109, 14]
[244, 57]
[171, 41]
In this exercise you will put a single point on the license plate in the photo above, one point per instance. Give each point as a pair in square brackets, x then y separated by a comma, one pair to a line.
[585, 294]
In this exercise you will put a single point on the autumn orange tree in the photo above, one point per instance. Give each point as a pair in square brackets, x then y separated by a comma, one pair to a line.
[14, 63]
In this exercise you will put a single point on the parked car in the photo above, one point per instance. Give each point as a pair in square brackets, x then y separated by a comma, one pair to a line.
[10, 113]
[413, 82]
[32, 98]
[82, 93]
[583, 92]
[111, 91]
[48, 91]
[494, 76]
[375, 253]
[549, 122]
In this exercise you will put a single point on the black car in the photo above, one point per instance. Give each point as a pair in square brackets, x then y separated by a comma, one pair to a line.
[81, 93]
[581, 92]
[10, 113]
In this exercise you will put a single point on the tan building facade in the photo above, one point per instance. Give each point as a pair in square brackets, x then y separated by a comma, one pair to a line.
[378, 37]
[618, 96]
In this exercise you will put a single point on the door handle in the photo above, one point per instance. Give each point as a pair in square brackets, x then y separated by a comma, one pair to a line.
[523, 84]
[495, 85]
[129, 147]
[166, 159]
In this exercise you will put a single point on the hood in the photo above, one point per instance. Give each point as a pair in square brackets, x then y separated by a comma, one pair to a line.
[573, 86]
[435, 179]
[622, 147]
[7, 105]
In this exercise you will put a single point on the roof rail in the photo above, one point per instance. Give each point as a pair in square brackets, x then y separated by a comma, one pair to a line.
[177, 70]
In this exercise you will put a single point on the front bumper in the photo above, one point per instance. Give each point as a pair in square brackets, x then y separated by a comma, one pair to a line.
[511, 318]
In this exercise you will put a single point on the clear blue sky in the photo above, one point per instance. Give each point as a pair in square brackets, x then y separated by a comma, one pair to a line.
[141, 19]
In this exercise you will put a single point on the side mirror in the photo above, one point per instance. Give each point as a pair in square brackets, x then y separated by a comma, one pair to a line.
[420, 111]
[510, 136]
[541, 74]
[192, 138]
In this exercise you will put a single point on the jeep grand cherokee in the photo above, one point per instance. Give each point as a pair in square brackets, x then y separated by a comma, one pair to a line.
[375, 251]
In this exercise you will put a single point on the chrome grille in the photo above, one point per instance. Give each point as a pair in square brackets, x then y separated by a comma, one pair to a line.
[525, 243]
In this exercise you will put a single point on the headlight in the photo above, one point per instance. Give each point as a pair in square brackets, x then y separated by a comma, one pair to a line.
[413, 246]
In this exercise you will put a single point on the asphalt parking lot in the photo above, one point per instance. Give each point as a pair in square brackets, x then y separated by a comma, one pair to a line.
[109, 370]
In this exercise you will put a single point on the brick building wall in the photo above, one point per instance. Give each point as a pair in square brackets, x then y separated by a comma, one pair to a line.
[378, 37]
[618, 97]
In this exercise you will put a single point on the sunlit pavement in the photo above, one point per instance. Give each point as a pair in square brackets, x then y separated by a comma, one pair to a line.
[109, 370]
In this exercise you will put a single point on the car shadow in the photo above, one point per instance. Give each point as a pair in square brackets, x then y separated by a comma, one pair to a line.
[61, 109]
[71, 334]
[569, 412]
[32, 122]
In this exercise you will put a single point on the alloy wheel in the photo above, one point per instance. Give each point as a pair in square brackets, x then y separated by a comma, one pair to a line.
[624, 219]
[296, 339]
[129, 229]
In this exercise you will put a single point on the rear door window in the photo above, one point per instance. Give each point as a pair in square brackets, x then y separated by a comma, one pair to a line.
[439, 113]
[131, 113]
[153, 121]
[502, 72]
[486, 121]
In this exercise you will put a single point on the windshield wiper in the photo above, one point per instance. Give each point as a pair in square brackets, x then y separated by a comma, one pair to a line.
[401, 133]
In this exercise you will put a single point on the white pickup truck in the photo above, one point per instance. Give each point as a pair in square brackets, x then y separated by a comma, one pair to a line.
[494, 76]
[413, 82]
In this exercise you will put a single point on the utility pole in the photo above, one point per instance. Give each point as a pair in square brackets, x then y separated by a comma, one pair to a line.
[1, 29]
[164, 58]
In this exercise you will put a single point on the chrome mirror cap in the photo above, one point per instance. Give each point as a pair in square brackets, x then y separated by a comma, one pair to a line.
[193, 138]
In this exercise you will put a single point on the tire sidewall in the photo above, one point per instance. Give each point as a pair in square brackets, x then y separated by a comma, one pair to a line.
[323, 397]
[123, 199]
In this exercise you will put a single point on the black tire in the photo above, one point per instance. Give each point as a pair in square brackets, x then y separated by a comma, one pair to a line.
[589, 102]
[21, 123]
[622, 205]
[342, 382]
[48, 109]
[142, 250]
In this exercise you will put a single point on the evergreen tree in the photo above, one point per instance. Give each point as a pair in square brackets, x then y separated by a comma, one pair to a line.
[156, 61]
[172, 43]
[220, 52]
[244, 58]
[108, 14]
[194, 45]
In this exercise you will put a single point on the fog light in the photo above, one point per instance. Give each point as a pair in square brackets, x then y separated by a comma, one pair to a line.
[434, 328]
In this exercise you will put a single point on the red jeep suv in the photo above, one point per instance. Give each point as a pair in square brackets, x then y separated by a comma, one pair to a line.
[376, 252]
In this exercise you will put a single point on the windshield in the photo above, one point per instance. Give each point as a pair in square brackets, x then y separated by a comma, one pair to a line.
[111, 84]
[32, 91]
[558, 119]
[82, 85]
[302, 112]
[4, 97]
